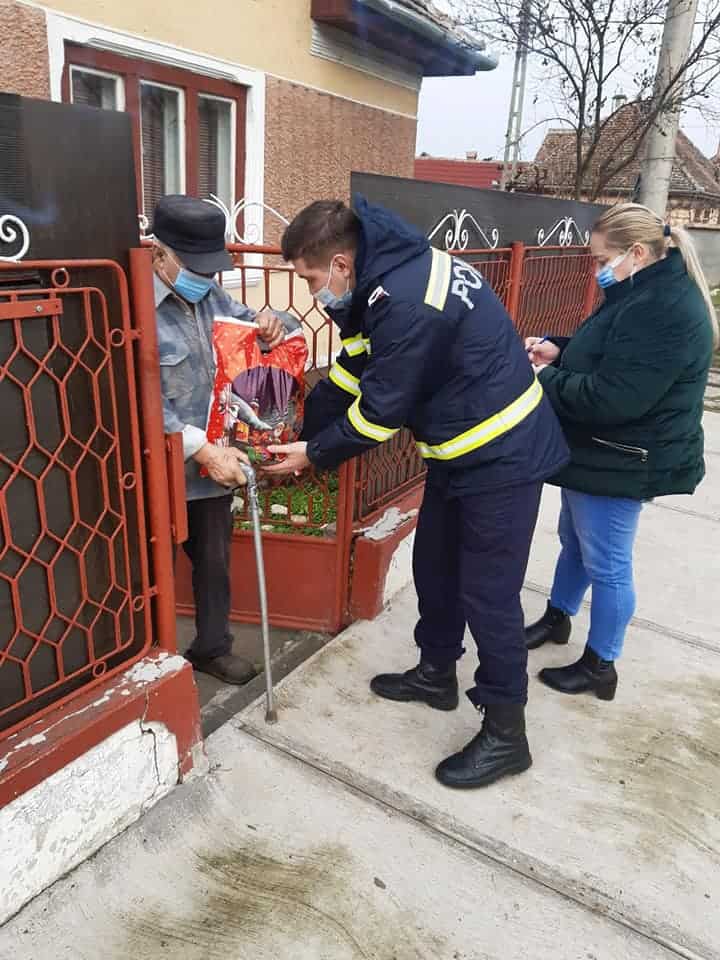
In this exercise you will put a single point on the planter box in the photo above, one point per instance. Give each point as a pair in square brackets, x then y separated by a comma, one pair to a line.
[304, 576]
[382, 561]
[319, 583]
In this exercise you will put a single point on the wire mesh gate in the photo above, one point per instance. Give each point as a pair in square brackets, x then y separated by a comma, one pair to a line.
[75, 571]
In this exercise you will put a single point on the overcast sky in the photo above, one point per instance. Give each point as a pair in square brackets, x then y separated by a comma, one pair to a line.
[470, 113]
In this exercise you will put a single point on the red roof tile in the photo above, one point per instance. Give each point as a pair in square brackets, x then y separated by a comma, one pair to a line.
[484, 174]
[555, 165]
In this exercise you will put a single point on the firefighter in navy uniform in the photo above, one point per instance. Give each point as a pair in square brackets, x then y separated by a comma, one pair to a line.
[428, 345]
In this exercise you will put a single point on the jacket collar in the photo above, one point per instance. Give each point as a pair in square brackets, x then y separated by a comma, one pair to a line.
[161, 289]
[671, 265]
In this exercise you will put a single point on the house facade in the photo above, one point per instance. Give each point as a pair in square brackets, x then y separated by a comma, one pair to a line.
[694, 198]
[264, 105]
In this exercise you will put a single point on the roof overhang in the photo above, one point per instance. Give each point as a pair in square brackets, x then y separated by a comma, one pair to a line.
[439, 51]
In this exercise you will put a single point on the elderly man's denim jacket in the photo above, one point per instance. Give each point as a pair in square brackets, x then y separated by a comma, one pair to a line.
[187, 370]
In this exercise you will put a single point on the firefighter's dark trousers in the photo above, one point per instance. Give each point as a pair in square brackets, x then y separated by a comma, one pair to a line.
[471, 555]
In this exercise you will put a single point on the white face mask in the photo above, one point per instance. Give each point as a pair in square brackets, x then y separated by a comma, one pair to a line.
[327, 298]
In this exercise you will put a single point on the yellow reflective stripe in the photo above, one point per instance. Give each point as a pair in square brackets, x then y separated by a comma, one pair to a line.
[374, 431]
[354, 346]
[346, 381]
[488, 430]
[439, 282]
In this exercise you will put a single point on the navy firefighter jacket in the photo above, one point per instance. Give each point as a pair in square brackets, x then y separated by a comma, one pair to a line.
[427, 345]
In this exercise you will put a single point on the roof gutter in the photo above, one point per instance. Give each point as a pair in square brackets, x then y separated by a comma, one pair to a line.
[420, 25]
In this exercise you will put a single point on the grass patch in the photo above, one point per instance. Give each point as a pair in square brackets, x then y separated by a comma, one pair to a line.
[315, 500]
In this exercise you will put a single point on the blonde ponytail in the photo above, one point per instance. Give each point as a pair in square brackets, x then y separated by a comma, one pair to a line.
[629, 223]
[681, 239]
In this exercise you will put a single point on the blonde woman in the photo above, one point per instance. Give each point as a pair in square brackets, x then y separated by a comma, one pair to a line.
[628, 389]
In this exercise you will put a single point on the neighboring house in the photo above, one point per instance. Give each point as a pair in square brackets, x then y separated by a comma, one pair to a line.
[470, 172]
[271, 102]
[694, 187]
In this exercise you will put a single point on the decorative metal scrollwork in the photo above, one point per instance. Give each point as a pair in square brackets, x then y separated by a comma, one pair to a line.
[564, 232]
[252, 232]
[457, 234]
[13, 233]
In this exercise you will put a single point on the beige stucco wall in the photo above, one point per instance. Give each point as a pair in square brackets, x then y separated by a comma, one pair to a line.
[24, 67]
[269, 35]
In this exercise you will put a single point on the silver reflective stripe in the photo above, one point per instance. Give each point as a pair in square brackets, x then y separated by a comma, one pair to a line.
[486, 431]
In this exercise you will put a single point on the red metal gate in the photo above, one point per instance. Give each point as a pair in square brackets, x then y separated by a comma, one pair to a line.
[76, 579]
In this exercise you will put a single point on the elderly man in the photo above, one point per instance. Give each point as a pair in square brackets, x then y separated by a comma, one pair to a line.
[188, 251]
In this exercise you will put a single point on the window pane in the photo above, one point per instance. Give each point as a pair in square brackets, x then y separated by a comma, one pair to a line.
[161, 144]
[216, 159]
[93, 90]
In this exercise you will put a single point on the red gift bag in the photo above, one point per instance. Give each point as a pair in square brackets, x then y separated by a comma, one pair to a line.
[259, 396]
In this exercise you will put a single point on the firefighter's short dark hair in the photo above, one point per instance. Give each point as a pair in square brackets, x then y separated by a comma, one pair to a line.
[320, 231]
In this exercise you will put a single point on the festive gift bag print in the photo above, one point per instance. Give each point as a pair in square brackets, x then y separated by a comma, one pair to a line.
[259, 395]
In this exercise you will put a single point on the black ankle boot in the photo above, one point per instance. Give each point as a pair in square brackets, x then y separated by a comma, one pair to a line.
[436, 686]
[554, 625]
[590, 674]
[500, 749]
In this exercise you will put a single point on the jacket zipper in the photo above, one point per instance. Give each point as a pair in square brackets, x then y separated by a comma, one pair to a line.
[624, 448]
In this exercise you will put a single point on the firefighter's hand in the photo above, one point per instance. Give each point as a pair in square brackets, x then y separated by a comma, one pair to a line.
[223, 464]
[270, 328]
[541, 351]
[296, 460]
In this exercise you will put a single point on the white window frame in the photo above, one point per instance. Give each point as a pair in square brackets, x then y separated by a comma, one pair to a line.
[181, 131]
[233, 137]
[119, 83]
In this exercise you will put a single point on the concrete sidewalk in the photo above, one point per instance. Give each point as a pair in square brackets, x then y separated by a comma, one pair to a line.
[326, 837]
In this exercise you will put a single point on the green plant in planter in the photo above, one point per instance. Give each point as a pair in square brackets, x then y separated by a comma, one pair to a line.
[310, 505]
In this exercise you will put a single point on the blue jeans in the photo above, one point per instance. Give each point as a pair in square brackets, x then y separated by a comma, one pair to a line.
[597, 536]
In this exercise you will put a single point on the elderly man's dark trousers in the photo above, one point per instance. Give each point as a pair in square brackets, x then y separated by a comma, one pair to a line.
[208, 547]
[470, 559]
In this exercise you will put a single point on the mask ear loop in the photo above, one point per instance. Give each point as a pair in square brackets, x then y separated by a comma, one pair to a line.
[162, 272]
[633, 269]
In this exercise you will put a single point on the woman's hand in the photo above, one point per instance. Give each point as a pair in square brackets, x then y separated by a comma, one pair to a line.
[541, 352]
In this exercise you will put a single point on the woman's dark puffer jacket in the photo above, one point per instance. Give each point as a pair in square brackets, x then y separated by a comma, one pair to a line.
[629, 387]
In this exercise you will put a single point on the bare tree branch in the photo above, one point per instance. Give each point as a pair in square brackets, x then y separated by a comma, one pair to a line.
[585, 47]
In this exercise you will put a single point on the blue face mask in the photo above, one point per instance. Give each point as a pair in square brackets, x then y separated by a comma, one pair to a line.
[191, 286]
[606, 277]
[328, 299]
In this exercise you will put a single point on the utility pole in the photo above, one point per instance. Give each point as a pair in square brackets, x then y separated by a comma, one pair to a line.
[660, 144]
[517, 99]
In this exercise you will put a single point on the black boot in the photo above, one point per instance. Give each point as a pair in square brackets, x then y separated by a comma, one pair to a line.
[500, 749]
[553, 625]
[591, 674]
[436, 686]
